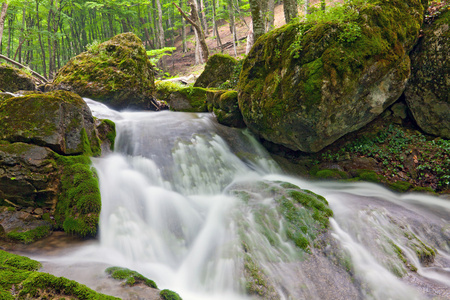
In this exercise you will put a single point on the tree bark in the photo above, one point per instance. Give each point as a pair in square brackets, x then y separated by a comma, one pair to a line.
[44, 65]
[270, 14]
[195, 22]
[2, 21]
[232, 25]
[257, 18]
[215, 29]
[290, 10]
[162, 42]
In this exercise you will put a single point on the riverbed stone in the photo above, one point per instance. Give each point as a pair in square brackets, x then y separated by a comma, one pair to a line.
[307, 84]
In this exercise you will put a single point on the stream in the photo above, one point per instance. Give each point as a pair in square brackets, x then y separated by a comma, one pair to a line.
[170, 213]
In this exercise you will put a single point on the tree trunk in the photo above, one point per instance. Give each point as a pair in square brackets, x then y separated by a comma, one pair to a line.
[161, 40]
[270, 14]
[290, 10]
[232, 24]
[257, 18]
[306, 7]
[195, 22]
[216, 30]
[250, 40]
[44, 65]
[202, 16]
[2, 21]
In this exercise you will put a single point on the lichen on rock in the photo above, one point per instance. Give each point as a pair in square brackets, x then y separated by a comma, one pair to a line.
[428, 91]
[116, 72]
[305, 85]
[59, 120]
[13, 79]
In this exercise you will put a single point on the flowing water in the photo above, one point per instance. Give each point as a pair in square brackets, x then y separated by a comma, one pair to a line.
[171, 211]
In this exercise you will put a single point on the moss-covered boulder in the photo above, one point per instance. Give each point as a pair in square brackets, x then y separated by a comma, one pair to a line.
[13, 79]
[116, 72]
[218, 70]
[428, 90]
[181, 98]
[305, 85]
[225, 106]
[59, 120]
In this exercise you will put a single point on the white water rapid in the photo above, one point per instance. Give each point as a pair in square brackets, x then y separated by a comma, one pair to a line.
[170, 211]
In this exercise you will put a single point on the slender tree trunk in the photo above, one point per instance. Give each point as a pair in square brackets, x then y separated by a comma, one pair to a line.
[202, 16]
[232, 24]
[22, 37]
[323, 5]
[219, 42]
[162, 42]
[195, 22]
[257, 18]
[250, 40]
[2, 21]
[290, 10]
[10, 33]
[49, 40]
[44, 65]
[306, 7]
[270, 14]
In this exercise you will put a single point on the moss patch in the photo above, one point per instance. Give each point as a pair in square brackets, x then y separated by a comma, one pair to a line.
[131, 277]
[19, 280]
[30, 236]
[169, 295]
[218, 70]
[79, 202]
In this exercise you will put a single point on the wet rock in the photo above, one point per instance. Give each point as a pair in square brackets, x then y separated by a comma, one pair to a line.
[428, 90]
[116, 72]
[20, 226]
[28, 174]
[306, 85]
[218, 69]
[225, 106]
[13, 79]
[59, 120]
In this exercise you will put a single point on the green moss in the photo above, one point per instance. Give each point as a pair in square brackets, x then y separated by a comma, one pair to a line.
[79, 201]
[169, 295]
[196, 97]
[131, 277]
[400, 186]
[30, 236]
[256, 279]
[331, 174]
[218, 69]
[368, 175]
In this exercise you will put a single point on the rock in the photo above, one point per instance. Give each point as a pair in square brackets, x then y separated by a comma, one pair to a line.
[39, 211]
[180, 98]
[106, 130]
[59, 120]
[428, 90]
[28, 174]
[225, 106]
[116, 72]
[13, 79]
[305, 85]
[20, 226]
[218, 69]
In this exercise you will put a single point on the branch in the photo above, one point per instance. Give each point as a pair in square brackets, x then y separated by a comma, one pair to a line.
[39, 76]
[185, 16]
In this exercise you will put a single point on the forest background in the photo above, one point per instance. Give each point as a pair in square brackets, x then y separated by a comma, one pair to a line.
[44, 34]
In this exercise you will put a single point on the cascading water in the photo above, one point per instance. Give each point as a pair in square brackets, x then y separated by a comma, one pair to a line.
[182, 203]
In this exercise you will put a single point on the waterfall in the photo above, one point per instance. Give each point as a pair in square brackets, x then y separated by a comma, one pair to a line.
[191, 204]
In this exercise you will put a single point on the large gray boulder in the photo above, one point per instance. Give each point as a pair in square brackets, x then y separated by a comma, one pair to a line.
[428, 90]
[306, 85]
